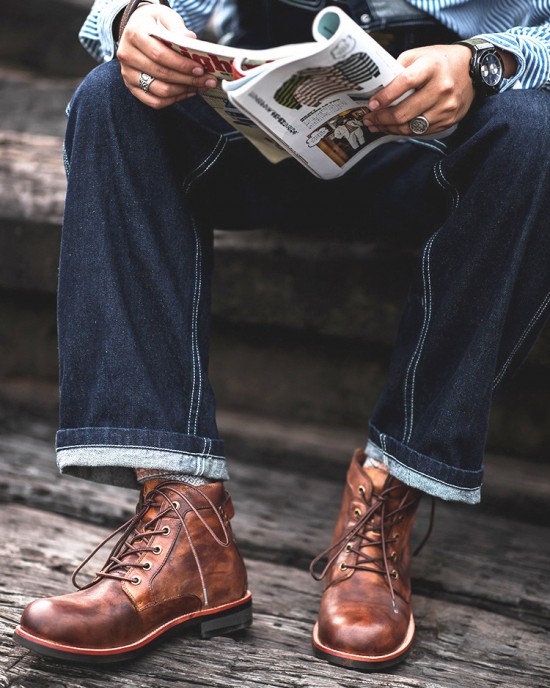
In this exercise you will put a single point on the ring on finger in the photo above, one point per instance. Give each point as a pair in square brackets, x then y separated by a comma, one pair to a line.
[419, 125]
[145, 81]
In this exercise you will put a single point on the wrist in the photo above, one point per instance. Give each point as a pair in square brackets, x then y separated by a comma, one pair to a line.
[486, 67]
[509, 61]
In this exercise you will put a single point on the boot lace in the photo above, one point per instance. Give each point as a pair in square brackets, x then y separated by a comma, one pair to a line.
[371, 534]
[136, 536]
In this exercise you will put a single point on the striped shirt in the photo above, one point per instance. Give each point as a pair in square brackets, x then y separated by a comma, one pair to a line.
[519, 26]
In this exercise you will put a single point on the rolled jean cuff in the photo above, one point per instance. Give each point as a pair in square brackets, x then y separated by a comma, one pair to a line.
[110, 455]
[424, 472]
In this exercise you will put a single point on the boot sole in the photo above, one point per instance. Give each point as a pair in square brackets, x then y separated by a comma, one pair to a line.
[221, 620]
[363, 662]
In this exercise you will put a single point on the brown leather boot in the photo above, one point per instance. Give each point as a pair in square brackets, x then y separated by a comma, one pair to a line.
[175, 566]
[365, 620]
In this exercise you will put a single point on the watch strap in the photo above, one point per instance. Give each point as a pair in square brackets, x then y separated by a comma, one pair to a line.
[476, 44]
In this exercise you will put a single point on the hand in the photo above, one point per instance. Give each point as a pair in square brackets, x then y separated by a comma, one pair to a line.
[176, 77]
[443, 91]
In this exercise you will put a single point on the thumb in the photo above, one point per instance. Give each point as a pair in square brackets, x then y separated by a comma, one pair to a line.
[172, 20]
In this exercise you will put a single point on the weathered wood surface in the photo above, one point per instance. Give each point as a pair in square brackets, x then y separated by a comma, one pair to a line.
[455, 642]
[32, 178]
[482, 594]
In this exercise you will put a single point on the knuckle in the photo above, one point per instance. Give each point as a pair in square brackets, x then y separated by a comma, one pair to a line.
[156, 104]
[163, 90]
[162, 72]
[408, 79]
[122, 53]
[401, 118]
[155, 55]
[447, 85]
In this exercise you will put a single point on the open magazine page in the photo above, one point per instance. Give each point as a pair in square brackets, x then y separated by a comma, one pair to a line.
[314, 105]
[221, 61]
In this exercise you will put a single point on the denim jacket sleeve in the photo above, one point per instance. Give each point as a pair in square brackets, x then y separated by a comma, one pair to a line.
[96, 34]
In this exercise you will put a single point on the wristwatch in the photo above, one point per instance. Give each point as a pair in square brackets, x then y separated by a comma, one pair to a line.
[486, 66]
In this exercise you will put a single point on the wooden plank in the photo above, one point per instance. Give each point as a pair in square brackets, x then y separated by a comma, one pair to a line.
[492, 563]
[32, 178]
[456, 645]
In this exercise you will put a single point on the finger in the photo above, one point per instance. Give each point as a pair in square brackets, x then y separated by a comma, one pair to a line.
[178, 83]
[438, 121]
[153, 101]
[150, 55]
[398, 115]
[162, 89]
[410, 79]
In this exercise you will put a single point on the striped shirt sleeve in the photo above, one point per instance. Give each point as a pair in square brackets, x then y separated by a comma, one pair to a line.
[96, 34]
[519, 26]
[531, 47]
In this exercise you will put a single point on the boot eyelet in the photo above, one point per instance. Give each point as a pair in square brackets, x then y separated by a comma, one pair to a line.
[357, 513]
[147, 566]
[348, 547]
[166, 530]
[394, 574]
[176, 504]
[136, 580]
[396, 536]
[393, 556]
[343, 566]
[157, 549]
[361, 490]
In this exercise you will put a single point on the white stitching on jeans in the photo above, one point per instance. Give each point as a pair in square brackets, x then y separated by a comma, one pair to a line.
[408, 389]
[206, 164]
[520, 341]
[444, 183]
[413, 363]
[183, 452]
[387, 455]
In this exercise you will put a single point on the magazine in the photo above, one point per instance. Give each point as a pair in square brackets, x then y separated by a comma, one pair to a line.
[303, 100]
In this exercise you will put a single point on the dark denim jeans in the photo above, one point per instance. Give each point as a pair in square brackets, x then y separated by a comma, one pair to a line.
[145, 189]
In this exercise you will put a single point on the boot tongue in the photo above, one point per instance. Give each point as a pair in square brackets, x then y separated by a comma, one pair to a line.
[150, 485]
[378, 477]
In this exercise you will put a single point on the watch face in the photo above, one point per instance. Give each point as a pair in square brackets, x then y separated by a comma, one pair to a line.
[490, 69]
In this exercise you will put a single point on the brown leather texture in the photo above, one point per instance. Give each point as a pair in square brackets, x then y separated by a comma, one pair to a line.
[176, 557]
[365, 614]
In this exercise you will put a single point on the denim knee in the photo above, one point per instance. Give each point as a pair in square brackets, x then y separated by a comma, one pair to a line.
[519, 122]
[102, 93]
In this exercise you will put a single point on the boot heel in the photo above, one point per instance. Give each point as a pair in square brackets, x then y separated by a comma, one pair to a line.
[231, 621]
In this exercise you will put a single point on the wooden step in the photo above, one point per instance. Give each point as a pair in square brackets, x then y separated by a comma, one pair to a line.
[481, 601]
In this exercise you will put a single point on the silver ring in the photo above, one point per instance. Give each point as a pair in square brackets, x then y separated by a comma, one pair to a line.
[419, 125]
[145, 82]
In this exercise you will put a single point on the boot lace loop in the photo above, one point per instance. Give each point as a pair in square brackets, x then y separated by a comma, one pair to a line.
[133, 541]
[371, 531]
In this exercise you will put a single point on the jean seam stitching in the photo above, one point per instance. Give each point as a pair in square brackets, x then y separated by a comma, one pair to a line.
[408, 389]
[445, 184]
[520, 341]
[138, 447]
[206, 164]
